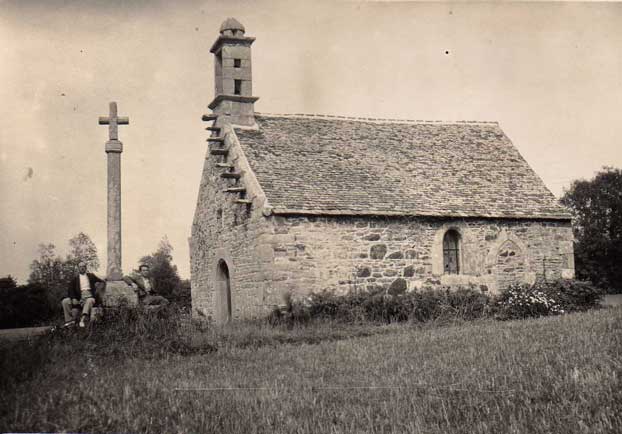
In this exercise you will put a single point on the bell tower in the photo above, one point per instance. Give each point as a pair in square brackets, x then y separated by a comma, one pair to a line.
[233, 101]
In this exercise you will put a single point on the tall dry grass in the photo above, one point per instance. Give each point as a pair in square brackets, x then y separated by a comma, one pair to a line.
[552, 375]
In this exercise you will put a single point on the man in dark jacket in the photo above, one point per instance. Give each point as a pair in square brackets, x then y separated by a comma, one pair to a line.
[143, 285]
[82, 293]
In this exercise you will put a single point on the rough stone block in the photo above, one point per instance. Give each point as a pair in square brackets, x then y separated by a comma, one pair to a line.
[378, 251]
[409, 271]
[363, 272]
[399, 286]
[118, 292]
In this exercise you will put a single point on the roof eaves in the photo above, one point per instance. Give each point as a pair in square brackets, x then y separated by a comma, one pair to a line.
[354, 213]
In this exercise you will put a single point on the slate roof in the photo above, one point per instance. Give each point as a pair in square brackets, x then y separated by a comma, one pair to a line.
[331, 165]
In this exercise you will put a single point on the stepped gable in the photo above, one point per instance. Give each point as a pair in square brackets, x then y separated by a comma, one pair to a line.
[325, 165]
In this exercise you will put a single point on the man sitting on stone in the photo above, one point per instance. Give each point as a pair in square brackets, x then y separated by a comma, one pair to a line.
[143, 285]
[81, 294]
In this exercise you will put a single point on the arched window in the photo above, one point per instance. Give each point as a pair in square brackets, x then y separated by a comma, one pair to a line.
[451, 252]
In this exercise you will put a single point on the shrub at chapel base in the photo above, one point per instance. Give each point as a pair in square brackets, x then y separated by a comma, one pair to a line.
[573, 295]
[428, 304]
[522, 301]
[547, 298]
[518, 301]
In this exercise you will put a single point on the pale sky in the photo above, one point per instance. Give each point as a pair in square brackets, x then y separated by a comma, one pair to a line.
[550, 74]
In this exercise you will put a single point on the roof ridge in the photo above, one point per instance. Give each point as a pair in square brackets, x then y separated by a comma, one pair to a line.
[370, 119]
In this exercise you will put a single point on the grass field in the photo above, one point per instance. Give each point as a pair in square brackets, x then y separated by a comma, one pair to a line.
[553, 375]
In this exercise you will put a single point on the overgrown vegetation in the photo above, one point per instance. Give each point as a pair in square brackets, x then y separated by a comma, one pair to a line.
[552, 375]
[444, 304]
[546, 298]
[127, 333]
[22, 305]
[138, 370]
[420, 306]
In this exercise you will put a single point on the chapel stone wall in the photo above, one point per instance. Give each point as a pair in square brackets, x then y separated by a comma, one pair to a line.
[343, 254]
[271, 256]
[225, 230]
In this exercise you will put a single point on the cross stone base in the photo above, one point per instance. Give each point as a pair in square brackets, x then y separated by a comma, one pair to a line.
[117, 291]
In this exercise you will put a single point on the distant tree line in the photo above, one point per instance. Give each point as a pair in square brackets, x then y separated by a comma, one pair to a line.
[596, 205]
[23, 305]
[38, 301]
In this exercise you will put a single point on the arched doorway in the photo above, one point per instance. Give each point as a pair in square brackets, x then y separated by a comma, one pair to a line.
[222, 307]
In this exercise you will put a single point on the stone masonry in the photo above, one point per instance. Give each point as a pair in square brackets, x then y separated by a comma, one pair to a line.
[296, 204]
[275, 255]
[396, 255]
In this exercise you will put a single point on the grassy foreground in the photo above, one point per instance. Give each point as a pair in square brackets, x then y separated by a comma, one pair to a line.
[554, 375]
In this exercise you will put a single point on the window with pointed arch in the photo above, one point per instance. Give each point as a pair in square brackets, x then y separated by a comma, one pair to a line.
[451, 252]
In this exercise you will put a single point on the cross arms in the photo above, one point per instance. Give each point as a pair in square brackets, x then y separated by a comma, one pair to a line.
[113, 121]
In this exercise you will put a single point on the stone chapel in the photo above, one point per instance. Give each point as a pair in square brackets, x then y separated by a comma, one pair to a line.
[304, 203]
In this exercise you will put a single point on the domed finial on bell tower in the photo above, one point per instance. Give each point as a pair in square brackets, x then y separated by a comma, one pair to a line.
[233, 102]
[232, 27]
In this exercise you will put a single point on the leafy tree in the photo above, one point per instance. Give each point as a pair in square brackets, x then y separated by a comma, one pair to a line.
[51, 272]
[164, 272]
[597, 209]
[7, 282]
[48, 270]
[83, 250]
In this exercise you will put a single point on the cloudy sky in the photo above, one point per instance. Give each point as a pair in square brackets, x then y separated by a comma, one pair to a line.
[550, 74]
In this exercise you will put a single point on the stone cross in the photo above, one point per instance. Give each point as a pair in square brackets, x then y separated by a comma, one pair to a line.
[114, 148]
[113, 121]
